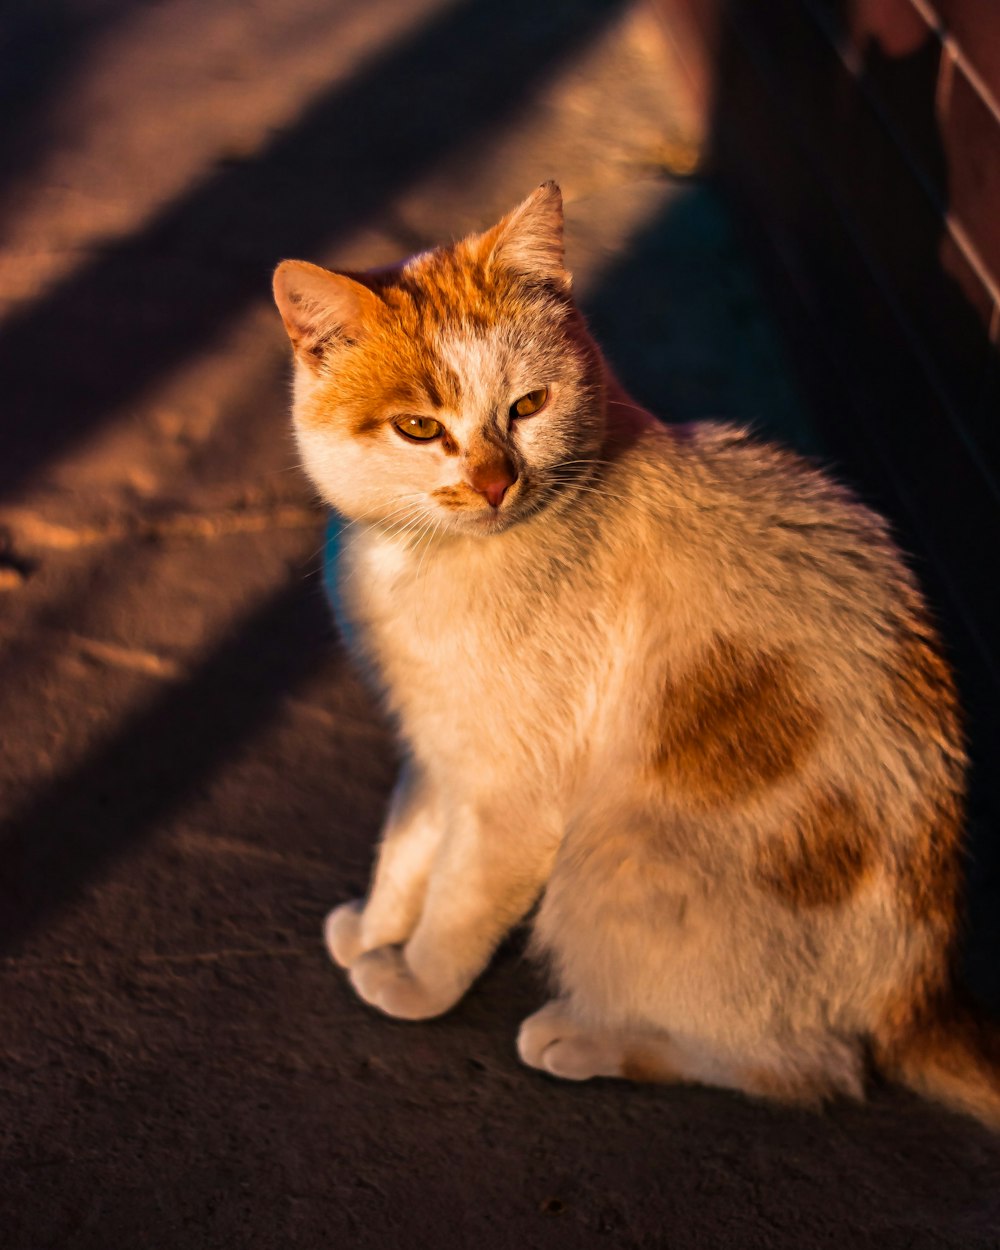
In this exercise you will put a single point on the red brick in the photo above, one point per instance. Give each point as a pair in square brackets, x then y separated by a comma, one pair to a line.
[975, 27]
[896, 223]
[971, 136]
[895, 26]
[968, 280]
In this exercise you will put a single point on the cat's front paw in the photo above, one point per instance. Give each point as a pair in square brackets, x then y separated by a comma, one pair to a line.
[342, 932]
[383, 979]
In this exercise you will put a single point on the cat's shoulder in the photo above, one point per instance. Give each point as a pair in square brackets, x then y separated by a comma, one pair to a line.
[724, 445]
[740, 464]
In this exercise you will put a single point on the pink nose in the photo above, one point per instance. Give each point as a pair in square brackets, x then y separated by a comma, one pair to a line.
[493, 483]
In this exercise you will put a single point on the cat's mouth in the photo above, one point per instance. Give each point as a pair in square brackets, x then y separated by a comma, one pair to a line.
[529, 500]
[464, 516]
[487, 521]
[490, 520]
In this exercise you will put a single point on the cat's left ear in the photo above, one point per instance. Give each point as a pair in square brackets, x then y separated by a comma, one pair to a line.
[529, 240]
[321, 309]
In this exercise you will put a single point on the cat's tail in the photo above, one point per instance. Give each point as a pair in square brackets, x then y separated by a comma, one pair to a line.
[951, 1055]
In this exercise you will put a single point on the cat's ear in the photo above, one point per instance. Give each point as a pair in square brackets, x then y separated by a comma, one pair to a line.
[529, 240]
[321, 309]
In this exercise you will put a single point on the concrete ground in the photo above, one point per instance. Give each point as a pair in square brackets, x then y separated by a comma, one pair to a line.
[191, 773]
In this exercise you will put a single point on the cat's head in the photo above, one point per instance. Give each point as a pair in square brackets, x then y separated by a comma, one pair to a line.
[459, 389]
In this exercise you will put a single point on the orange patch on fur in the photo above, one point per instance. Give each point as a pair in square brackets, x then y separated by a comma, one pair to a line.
[930, 875]
[455, 498]
[928, 879]
[923, 687]
[823, 860]
[923, 698]
[736, 724]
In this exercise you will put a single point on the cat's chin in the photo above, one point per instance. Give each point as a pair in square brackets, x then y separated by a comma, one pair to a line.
[485, 523]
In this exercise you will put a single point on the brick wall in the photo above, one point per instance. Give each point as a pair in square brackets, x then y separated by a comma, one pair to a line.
[860, 140]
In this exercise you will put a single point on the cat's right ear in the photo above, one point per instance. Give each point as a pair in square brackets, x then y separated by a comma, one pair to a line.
[321, 310]
[529, 240]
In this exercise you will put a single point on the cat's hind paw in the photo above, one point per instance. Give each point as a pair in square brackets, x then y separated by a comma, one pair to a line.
[342, 932]
[539, 1031]
[382, 978]
[552, 1041]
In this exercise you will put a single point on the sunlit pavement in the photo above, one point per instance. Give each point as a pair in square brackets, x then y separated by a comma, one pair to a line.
[191, 774]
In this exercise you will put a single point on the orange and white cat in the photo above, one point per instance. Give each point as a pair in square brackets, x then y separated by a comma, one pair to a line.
[672, 684]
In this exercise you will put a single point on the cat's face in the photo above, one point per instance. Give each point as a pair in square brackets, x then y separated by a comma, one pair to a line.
[459, 392]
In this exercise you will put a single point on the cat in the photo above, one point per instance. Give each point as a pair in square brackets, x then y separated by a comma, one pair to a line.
[672, 685]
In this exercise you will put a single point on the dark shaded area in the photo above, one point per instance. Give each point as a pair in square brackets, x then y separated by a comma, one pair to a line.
[689, 349]
[39, 45]
[301, 1120]
[155, 762]
[127, 318]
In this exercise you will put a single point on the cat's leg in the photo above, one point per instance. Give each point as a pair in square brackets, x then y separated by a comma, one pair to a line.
[485, 878]
[410, 840]
[803, 1069]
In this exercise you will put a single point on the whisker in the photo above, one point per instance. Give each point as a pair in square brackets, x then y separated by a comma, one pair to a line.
[371, 511]
[617, 403]
[597, 490]
[570, 481]
[407, 524]
[583, 460]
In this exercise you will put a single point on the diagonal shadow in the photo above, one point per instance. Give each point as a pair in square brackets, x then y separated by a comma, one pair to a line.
[39, 45]
[145, 304]
[156, 760]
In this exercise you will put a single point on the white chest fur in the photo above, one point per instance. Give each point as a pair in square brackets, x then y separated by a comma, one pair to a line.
[484, 647]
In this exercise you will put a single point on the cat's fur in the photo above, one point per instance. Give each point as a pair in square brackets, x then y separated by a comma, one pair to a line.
[677, 685]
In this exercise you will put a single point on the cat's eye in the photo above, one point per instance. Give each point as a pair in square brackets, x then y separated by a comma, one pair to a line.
[419, 429]
[531, 403]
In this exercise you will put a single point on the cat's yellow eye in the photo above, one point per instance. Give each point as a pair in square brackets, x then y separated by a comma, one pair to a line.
[531, 403]
[420, 429]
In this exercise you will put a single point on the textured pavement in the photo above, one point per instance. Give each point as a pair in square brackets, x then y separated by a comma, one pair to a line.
[191, 774]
